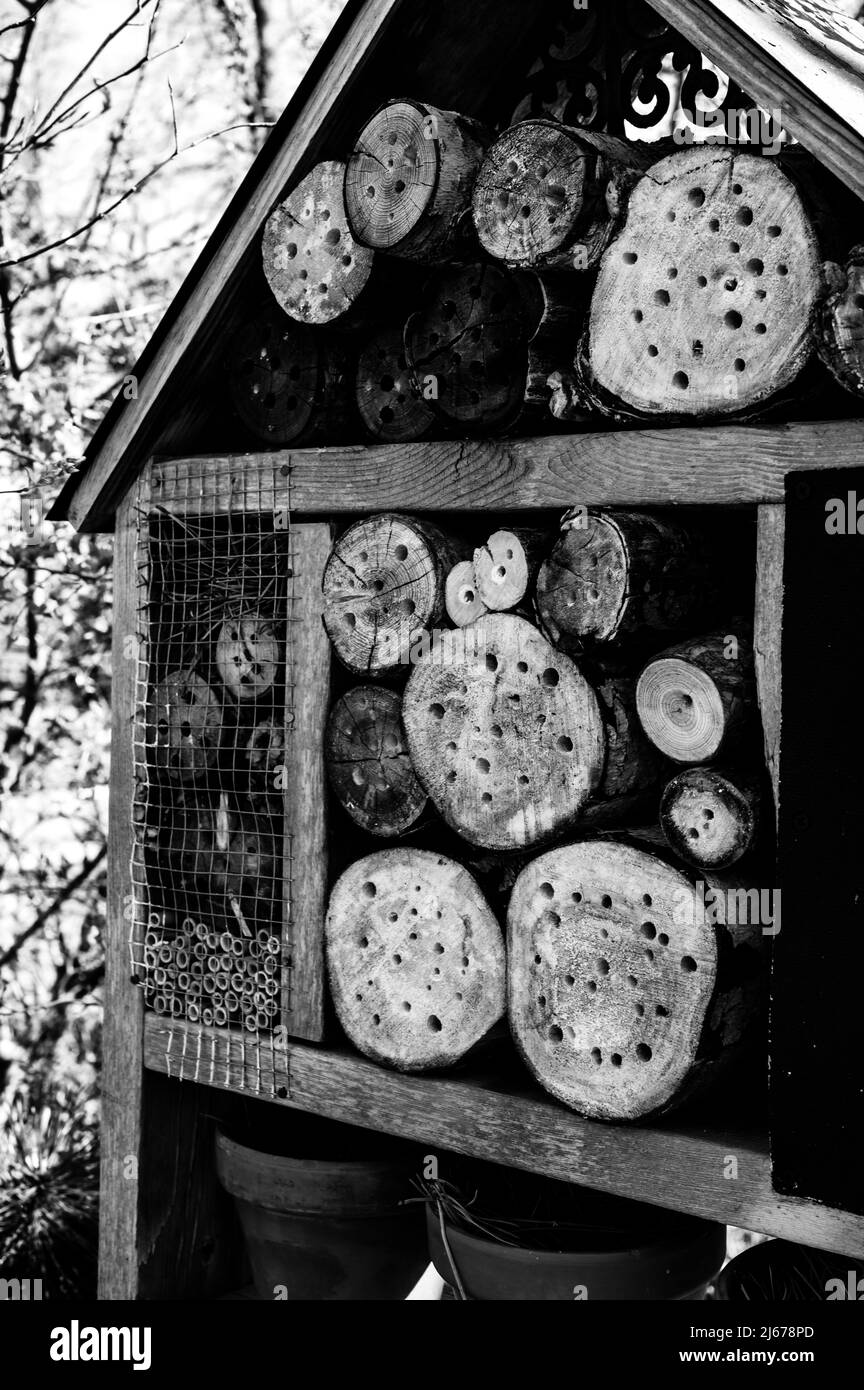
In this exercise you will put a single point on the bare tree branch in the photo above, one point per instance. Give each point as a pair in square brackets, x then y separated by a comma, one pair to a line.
[71, 886]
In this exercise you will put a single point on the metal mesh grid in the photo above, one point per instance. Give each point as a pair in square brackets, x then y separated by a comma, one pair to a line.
[214, 693]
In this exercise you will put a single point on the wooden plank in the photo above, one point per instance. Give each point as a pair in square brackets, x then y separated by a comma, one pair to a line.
[817, 1083]
[715, 465]
[767, 627]
[767, 53]
[122, 1046]
[685, 1169]
[305, 790]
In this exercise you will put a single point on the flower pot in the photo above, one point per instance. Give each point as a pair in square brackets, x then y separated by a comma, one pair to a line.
[782, 1271]
[676, 1262]
[321, 1229]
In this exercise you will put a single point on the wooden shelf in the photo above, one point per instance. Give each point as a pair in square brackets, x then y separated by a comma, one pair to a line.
[479, 1115]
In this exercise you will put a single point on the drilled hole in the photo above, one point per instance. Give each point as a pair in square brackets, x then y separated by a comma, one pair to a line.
[733, 319]
[688, 964]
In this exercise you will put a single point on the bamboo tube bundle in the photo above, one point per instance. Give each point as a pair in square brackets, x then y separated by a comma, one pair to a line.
[696, 701]
[184, 726]
[409, 179]
[613, 576]
[389, 404]
[506, 566]
[415, 959]
[384, 589]
[247, 654]
[462, 601]
[504, 733]
[624, 992]
[548, 195]
[313, 264]
[705, 301]
[368, 762]
[710, 817]
[841, 322]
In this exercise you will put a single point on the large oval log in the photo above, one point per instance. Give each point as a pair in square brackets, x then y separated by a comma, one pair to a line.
[368, 762]
[389, 404]
[705, 302]
[313, 265]
[710, 817]
[415, 959]
[505, 734]
[841, 322]
[409, 179]
[542, 197]
[384, 589]
[697, 700]
[623, 992]
[614, 575]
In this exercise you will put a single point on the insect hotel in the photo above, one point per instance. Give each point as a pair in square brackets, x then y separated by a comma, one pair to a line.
[487, 572]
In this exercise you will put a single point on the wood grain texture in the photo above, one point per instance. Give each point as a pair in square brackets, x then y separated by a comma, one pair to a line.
[726, 465]
[123, 1006]
[477, 1114]
[305, 792]
[767, 628]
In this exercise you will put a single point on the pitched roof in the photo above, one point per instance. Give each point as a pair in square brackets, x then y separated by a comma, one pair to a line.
[801, 55]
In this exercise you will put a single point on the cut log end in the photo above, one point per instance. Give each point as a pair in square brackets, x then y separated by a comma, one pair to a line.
[184, 726]
[389, 405]
[582, 589]
[464, 604]
[274, 371]
[611, 969]
[841, 324]
[705, 301]
[505, 734]
[247, 656]
[415, 959]
[681, 710]
[313, 265]
[707, 819]
[368, 762]
[529, 195]
[505, 568]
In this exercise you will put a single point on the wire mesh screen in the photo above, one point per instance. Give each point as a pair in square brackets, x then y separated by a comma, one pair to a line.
[211, 854]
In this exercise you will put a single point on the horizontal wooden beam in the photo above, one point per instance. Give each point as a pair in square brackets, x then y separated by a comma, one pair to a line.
[715, 465]
[685, 1169]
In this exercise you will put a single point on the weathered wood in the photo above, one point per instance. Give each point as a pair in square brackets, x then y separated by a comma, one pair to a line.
[464, 605]
[415, 959]
[505, 734]
[546, 194]
[840, 337]
[368, 762]
[682, 1167]
[697, 700]
[247, 654]
[622, 994]
[313, 265]
[632, 764]
[767, 630]
[409, 180]
[506, 566]
[709, 816]
[383, 589]
[307, 660]
[704, 303]
[618, 575]
[388, 403]
[275, 370]
[184, 725]
[724, 465]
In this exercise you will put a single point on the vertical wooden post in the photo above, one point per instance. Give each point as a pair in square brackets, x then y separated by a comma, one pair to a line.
[305, 784]
[767, 626]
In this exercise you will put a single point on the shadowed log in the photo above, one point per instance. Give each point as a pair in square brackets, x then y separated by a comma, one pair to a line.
[368, 763]
[710, 817]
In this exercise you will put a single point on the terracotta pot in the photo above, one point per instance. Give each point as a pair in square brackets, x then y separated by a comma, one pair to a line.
[320, 1230]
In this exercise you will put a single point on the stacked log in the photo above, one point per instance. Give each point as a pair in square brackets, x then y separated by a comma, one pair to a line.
[368, 762]
[506, 566]
[841, 322]
[391, 408]
[710, 817]
[287, 384]
[624, 993]
[463, 603]
[184, 726]
[415, 959]
[696, 702]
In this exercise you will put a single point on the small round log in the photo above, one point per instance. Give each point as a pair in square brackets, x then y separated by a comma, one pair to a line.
[615, 575]
[383, 590]
[389, 404]
[541, 195]
[409, 179]
[467, 347]
[313, 265]
[506, 566]
[697, 700]
[464, 605]
[274, 369]
[368, 762]
[184, 726]
[710, 818]
[705, 302]
[415, 959]
[247, 656]
[505, 734]
[624, 992]
[841, 322]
